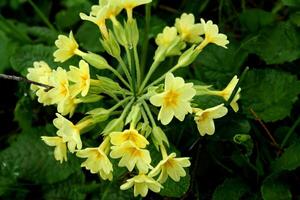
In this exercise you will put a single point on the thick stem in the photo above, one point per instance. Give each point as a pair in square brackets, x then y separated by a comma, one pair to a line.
[151, 70]
[146, 35]
[137, 66]
[147, 109]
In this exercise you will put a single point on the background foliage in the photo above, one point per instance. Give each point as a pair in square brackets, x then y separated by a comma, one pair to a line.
[264, 35]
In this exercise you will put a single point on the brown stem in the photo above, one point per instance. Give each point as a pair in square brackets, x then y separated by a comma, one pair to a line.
[18, 78]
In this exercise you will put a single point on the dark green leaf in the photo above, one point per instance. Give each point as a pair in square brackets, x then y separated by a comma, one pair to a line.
[295, 3]
[176, 189]
[231, 189]
[254, 19]
[270, 93]
[272, 188]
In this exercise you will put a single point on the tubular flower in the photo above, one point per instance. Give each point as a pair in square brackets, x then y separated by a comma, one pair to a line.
[226, 93]
[69, 132]
[131, 156]
[118, 138]
[59, 80]
[142, 183]
[170, 166]
[67, 47]
[67, 106]
[60, 151]
[39, 73]
[188, 30]
[167, 37]
[175, 100]
[130, 4]
[97, 161]
[81, 77]
[205, 118]
[212, 35]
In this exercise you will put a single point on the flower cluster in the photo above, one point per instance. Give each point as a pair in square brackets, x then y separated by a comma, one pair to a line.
[130, 125]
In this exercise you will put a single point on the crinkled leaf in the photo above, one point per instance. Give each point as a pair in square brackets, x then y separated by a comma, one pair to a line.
[272, 188]
[42, 34]
[295, 3]
[7, 47]
[270, 93]
[111, 190]
[231, 189]
[276, 45]
[289, 160]
[254, 19]
[29, 158]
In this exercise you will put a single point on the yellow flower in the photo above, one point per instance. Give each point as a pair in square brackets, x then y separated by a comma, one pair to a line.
[69, 132]
[175, 100]
[67, 47]
[212, 35]
[205, 118]
[60, 151]
[59, 80]
[170, 166]
[81, 77]
[118, 138]
[142, 183]
[97, 162]
[131, 155]
[188, 30]
[167, 37]
[130, 4]
[40, 72]
[67, 106]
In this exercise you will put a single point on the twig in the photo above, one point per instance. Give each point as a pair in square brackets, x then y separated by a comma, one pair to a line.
[18, 78]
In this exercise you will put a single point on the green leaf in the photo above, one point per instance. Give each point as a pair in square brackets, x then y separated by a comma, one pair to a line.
[295, 3]
[23, 113]
[255, 19]
[217, 66]
[111, 190]
[272, 188]
[31, 159]
[42, 34]
[7, 47]
[270, 93]
[276, 45]
[176, 189]
[289, 160]
[231, 189]
[26, 55]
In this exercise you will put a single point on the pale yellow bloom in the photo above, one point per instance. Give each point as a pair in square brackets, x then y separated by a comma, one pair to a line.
[59, 80]
[81, 77]
[67, 106]
[167, 37]
[205, 118]
[188, 30]
[175, 100]
[131, 155]
[67, 47]
[118, 138]
[40, 72]
[212, 35]
[97, 162]
[69, 132]
[130, 4]
[142, 183]
[60, 150]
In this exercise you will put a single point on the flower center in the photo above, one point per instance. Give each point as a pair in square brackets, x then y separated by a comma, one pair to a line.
[171, 98]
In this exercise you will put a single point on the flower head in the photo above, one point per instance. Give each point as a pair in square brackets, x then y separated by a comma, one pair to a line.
[172, 167]
[205, 118]
[60, 151]
[40, 72]
[188, 30]
[67, 47]
[81, 77]
[167, 37]
[67, 106]
[69, 132]
[118, 138]
[131, 155]
[175, 100]
[212, 34]
[142, 183]
[97, 162]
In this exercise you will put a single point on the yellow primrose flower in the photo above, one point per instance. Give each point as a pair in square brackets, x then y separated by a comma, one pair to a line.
[131, 155]
[118, 138]
[205, 118]
[212, 35]
[59, 80]
[60, 151]
[175, 100]
[97, 161]
[67, 106]
[142, 183]
[188, 30]
[170, 166]
[81, 77]
[167, 37]
[67, 47]
[40, 72]
[130, 4]
[69, 132]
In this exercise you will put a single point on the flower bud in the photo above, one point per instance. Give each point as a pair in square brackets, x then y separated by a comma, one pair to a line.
[188, 57]
[96, 60]
[111, 45]
[159, 137]
[114, 125]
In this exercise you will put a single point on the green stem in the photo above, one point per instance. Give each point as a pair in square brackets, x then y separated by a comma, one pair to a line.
[115, 72]
[146, 35]
[291, 131]
[127, 107]
[120, 60]
[132, 70]
[119, 104]
[151, 70]
[147, 109]
[137, 66]
[41, 15]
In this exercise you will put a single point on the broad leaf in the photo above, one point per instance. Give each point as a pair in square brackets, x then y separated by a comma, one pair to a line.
[272, 188]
